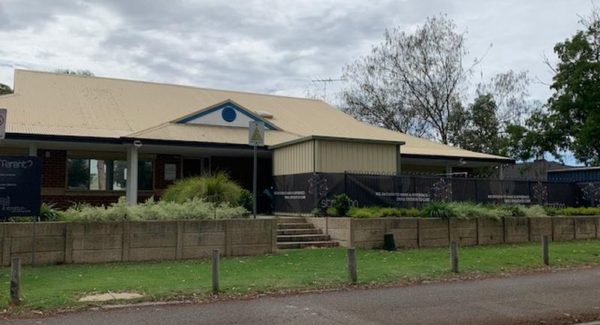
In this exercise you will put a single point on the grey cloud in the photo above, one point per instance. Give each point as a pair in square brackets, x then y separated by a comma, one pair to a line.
[258, 45]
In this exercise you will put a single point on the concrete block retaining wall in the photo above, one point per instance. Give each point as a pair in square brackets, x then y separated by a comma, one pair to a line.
[429, 232]
[63, 242]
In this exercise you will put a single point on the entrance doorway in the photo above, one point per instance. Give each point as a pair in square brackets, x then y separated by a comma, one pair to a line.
[195, 167]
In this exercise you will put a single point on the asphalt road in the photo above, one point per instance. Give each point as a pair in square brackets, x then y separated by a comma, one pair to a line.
[492, 301]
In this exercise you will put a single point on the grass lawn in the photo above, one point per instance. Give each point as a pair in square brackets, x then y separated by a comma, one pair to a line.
[53, 287]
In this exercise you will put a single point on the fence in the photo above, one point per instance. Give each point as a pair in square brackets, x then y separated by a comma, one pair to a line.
[63, 242]
[302, 193]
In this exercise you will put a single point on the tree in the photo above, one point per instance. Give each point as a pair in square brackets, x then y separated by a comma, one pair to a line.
[574, 108]
[477, 128]
[533, 139]
[411, 82]
[4, 89]
[510, 93]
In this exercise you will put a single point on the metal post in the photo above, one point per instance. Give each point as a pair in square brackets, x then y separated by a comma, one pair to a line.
[15, 281]
[33, 221]
[215, 271]
[254, 184]
[352, 265]
[454, 257]
[545, 255]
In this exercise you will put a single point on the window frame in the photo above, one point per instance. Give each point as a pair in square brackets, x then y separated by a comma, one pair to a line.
[115, 156]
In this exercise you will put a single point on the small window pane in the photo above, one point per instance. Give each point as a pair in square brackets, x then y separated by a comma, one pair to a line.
[78, 174]
[145, 175]
[119, 178]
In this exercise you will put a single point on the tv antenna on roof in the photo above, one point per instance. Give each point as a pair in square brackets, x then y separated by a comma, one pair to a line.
[325, 82]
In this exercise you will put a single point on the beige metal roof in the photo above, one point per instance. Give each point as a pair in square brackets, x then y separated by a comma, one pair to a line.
[58, 104]
[208, 133]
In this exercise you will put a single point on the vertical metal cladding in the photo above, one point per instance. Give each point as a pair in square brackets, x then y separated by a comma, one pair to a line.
[331, 156]
[297, 158]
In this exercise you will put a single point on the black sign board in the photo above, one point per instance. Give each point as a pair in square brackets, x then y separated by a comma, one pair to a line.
[20, 186]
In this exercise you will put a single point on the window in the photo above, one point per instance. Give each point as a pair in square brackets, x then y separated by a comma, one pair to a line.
[106, 175]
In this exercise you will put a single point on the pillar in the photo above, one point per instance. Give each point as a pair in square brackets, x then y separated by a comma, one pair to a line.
[32, 150]
[132, 175]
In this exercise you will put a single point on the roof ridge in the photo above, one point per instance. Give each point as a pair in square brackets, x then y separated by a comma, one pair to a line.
[168, 84]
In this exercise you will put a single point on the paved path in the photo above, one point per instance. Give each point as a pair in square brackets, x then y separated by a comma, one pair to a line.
[491, 301]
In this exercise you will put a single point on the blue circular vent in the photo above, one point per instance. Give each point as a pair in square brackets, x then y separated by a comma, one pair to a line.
[228, 114]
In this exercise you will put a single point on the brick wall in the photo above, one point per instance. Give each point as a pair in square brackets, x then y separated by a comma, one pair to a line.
[54, 167]
[159, 170]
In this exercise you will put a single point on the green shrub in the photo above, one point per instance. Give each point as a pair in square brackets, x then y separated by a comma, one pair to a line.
[513, 210]
[535, 211]
[48, 212]
[467, 210]
[193, 209]
[217, 188]
[246, 200]
[379, 212]
[581, 211]
[331, 211]
[341, 205]
[437, 210]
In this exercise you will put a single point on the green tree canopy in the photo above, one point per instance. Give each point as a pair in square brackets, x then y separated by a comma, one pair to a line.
[573, 122]
[477, 128]
[4, 89]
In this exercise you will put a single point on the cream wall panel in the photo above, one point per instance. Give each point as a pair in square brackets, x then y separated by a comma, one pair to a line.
[294, 159]
[340, 156]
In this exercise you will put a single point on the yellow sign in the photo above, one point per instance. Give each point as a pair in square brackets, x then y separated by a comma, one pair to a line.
[256, 133]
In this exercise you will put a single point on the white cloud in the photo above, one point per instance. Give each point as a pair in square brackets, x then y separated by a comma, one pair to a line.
[265, 46]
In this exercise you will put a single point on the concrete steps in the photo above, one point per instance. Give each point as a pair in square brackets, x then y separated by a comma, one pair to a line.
[307, 244]
[302, 238]
[296, 232]
[284, 232]
[295, 226]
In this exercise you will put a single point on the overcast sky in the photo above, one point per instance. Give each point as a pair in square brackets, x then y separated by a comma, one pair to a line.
[264, 46]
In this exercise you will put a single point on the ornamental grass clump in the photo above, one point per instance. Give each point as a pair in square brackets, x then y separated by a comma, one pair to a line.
[193, 209]
[217, 188]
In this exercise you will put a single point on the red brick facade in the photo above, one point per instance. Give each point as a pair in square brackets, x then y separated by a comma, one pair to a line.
[54, 179]
[159, 170]
[54, 168]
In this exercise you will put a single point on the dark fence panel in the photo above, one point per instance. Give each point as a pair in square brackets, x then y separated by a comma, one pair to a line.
[302, 193]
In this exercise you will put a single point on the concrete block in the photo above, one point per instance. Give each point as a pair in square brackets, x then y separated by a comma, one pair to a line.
[464, 232]
[153, 227]
[563, 228]
[153, 239]
[248, 250]
[42, 244]
[190, 252]
[490, 231]
[53, 257]
[41, 229]
[204, 239]
[97, 228]
[585, 227]
[95, 242]
[539, 227]
[197, 226]
[516, 230]
[97, 256]
[152, 254]
[433, 232]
